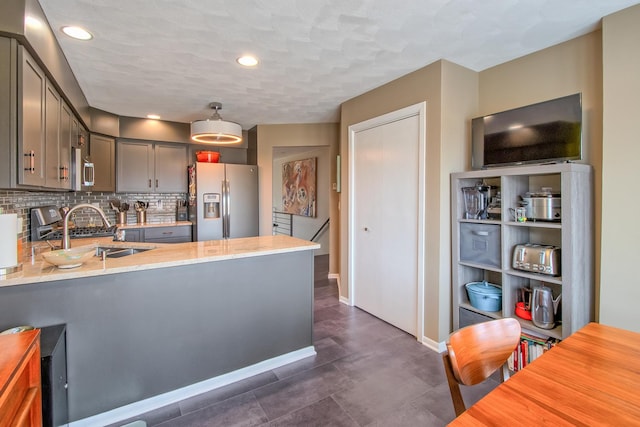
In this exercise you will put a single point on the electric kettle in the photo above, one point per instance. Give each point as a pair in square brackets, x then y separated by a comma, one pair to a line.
[544, 307]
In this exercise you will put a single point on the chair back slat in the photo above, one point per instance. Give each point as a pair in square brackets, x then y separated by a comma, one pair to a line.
[477, 351]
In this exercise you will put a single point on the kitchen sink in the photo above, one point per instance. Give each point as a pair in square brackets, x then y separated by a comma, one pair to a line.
[118, 252]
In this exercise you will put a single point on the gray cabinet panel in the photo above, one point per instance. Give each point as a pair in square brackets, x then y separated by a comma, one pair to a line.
[172, 234]
[168, 234]
[102, 153]
[37, 128]
[51, 137]
[8, 122]
[146, 167]
[133, 235]
[68, 133]
[134, 167]
[170, 168]
[31, 121]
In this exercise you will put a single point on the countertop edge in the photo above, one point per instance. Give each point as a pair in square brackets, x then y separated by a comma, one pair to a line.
[36, 270]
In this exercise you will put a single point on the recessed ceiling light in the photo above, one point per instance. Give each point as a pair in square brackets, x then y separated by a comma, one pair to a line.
[77, 33]
[153, 116]
[248, 61]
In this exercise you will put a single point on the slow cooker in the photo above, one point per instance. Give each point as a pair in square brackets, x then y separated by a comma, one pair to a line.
[542, 206]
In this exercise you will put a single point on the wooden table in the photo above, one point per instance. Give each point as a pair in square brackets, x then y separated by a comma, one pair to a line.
[591, 378]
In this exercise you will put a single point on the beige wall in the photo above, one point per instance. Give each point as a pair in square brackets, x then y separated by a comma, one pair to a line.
[459, 105]
[296, 135]
[305, 227]
[620, 288]
[446, 141]
[564, 69]
[454, 95]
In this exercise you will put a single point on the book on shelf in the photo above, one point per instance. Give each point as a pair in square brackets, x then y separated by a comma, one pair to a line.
[529, 349]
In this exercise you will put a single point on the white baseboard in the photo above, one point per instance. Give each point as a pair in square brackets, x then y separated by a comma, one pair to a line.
[439, 347]
[334, 276]
[155, 402]
[342, 299]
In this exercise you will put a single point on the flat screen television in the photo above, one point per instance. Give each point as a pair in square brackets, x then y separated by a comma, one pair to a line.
[546, 132]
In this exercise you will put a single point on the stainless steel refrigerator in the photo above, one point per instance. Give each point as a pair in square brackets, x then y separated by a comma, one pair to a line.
[223, 200]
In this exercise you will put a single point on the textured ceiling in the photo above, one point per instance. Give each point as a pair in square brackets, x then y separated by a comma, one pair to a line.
[173, 57]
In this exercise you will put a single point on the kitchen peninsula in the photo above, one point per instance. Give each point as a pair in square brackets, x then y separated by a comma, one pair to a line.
[176, 317]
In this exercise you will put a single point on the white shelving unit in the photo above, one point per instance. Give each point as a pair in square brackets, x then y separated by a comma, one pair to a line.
[573, 233]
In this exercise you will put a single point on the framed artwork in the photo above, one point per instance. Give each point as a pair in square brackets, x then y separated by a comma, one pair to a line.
[299, 187]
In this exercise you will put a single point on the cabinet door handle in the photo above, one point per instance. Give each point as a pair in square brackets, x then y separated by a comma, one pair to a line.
[167, 233]
[156, 183]
[149, 183]
[481, 233]
[32, 161]
[64, 173]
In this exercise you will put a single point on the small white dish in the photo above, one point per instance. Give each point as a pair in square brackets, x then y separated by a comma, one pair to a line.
[70, 258]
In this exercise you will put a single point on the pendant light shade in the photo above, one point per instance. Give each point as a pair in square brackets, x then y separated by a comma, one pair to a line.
[216, 131]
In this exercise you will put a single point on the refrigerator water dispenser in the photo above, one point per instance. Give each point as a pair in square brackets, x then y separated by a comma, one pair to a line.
[211, 203]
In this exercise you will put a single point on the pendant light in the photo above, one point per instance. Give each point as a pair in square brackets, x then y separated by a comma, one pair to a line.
[214, 130]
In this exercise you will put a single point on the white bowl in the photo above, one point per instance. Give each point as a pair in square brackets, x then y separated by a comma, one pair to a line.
[70, 258]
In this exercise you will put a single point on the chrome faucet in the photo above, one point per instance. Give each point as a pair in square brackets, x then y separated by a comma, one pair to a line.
[66, 242]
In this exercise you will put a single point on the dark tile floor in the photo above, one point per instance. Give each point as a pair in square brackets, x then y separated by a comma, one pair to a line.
[366, 373]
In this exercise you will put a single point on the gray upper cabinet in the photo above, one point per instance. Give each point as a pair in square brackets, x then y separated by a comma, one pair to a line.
[40, 128]
[134, 168]
[170, 168]
[51, 137]
[149, 167]
[67, 138]
[61, 130]
[31, 121]
[102, 153]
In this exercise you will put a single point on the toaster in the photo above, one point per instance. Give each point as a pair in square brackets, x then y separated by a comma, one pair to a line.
[543, 259]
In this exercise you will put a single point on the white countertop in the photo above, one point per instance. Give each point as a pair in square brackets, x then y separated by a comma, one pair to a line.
[163, 255]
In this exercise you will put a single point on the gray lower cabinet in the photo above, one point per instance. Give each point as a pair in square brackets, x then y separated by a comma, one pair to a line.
[168, 234]
[150, 167]
[134, 235]
[177, 234]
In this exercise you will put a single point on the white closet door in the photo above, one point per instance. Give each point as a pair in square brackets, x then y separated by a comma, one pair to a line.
[385, 203]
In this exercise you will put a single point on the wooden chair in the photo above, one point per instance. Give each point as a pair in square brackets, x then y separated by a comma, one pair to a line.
[476, 352]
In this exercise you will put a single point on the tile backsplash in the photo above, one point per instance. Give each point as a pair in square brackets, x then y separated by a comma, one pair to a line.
[162, 207]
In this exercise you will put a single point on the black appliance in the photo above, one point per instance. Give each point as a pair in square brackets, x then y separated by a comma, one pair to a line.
[546, 132]
[46, 224]
[53, 362]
